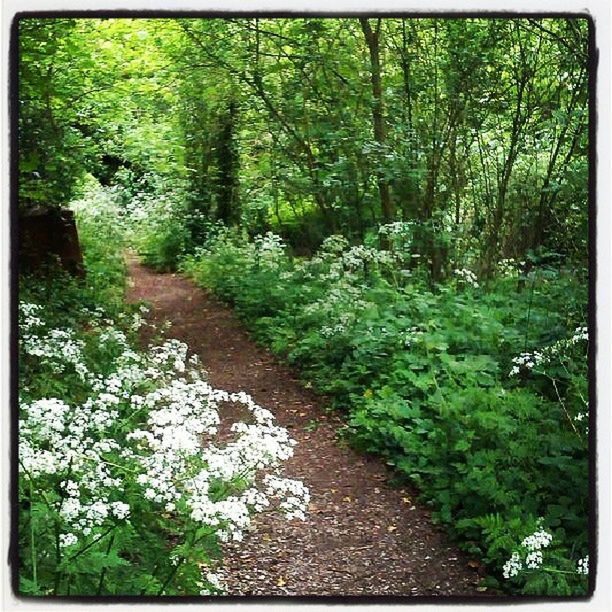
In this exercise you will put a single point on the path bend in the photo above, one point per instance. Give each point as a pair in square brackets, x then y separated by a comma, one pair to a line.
[361, 536]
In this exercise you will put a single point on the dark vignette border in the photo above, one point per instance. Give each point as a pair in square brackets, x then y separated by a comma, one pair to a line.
[592, 65]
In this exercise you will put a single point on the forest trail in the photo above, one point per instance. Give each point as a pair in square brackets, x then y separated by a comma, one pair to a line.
[361, 536]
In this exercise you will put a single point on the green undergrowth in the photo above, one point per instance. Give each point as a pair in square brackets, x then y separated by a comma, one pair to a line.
[476, 393]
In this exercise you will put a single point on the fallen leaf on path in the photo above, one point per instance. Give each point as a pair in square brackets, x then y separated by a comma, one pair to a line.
[281, 582]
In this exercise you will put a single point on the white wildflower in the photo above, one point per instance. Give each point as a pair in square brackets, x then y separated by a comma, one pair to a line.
[513, 566]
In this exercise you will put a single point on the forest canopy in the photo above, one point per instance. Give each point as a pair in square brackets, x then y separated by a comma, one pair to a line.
[475, 129]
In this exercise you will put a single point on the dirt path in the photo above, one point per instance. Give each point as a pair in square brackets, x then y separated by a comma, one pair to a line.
[361, 537]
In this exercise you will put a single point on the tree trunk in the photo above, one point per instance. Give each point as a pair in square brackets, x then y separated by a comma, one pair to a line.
[227, 168]
[372, 38]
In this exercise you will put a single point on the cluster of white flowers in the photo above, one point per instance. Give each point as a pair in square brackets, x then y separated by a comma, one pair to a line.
[67, 539]
[510, 267]
[286, 275]
[528, 361]
[342, 324]
[136, 319]
[111, 335]
[326, 264]
[172, 453]
[57, 348]
[335, 262]
[337, 296]
[56, 439]
[29, 319]
[128, 215]
[513, 566]
[531, 549]
[334, 245]
[533, 560]
[358, 256]
[581, 334]
[269, 249]
[171, 353]
[215, 584]
[583, 566]
[400, 229]
[467, 276]
[336, 272]
[269, 243]
[537, 540]
[339, 308]
[295, 493]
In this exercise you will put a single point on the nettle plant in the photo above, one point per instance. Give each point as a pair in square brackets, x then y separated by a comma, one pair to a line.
[129, 479]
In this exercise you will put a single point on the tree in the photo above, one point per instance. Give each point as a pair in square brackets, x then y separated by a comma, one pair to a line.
[372, 37]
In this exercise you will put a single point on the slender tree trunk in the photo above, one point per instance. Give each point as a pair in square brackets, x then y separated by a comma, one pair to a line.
[410, 193]
[227, 165]
[372, 38]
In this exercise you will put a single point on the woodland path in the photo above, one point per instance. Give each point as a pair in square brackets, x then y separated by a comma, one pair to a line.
[361, 536]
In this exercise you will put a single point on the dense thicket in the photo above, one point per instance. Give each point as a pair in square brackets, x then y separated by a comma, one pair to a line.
[398, 206]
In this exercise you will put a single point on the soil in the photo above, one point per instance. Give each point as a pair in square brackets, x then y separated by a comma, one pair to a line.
[362, 536]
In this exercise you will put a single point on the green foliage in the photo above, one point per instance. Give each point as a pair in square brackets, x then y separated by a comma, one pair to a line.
[50, 160]
[473, 132]
[272, 123]
[425, 377]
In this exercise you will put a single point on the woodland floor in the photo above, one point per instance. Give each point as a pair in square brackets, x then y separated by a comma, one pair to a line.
[361, 536]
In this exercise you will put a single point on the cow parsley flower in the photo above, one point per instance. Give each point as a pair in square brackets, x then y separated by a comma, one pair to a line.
[67, 539]
[513, 566]
[467, 276]
[533, 560]
[538, 540]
